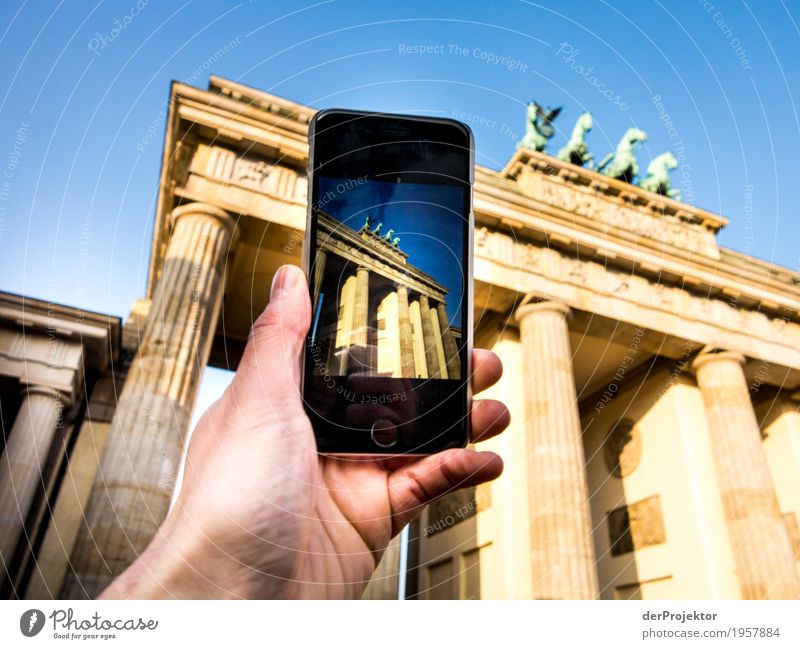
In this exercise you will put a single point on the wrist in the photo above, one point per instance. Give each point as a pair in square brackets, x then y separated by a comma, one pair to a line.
[181, 562]
[167, 569]
[184, 562]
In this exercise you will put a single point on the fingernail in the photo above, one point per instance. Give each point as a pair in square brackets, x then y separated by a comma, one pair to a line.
[284, 280]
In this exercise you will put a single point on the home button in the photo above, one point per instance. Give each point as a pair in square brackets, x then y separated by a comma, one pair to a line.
[384, 433]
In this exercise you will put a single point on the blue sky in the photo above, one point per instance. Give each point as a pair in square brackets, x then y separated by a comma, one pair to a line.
[79, 95]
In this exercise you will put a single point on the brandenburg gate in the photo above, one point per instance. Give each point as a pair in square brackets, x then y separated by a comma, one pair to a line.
[653, 378]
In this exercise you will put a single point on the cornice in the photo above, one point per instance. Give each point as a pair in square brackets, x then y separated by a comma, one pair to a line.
[102, 333]
[264, 100]
[629, 194]
[505, 208]
[337, 231]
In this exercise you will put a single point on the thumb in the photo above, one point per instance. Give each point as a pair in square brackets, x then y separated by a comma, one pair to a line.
[269, 373]
[415, 485]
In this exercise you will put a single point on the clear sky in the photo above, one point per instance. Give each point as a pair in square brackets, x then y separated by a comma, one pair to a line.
[83, 88]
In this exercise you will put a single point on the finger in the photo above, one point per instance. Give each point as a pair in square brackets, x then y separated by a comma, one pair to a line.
[489, 418]
[486, 369]
[269, 372]
[413, 486]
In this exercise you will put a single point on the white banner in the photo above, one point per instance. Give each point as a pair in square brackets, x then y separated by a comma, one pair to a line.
[382, 624]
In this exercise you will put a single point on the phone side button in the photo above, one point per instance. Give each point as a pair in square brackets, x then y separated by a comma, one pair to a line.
[383, 433]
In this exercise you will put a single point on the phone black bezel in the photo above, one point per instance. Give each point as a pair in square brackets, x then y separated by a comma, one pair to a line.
[395, 128]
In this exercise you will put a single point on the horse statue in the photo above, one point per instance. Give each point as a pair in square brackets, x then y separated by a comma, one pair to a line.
[576, 150]
[657, 179]
[538, 127]
[622, 164]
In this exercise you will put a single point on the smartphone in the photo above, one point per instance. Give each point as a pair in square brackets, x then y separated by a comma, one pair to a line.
[388, 255]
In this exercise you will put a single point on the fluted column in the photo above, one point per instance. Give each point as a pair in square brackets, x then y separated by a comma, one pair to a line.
[344, 325]
[450, 347]
[431, 358]
[361, 308]
[762, 551]
[438, 340]
[358, 356]
[420, 363]
[562, 550]
[131, 493]
[406, 342]
[24, 456]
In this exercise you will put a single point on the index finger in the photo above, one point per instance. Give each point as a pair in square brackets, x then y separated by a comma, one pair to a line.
[486, 369]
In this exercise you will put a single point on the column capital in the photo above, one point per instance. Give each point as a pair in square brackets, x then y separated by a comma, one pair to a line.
[528, 308]
[45, 391]
[710, 353]
[204, 209]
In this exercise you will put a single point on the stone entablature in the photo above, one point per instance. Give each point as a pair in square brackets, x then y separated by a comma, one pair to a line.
[53, 346]
[224, 165]
[247, 149]
[349, 244]
[608, 189]
[627, 212]
[40, 360]
[589, 285]
[287, 114]
[501, 204]
[565, 202]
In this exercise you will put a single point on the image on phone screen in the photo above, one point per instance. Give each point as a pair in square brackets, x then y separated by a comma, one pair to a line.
[386, 350]
[388, 282]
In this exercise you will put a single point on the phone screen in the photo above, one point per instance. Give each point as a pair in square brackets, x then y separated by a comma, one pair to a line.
[389, 271]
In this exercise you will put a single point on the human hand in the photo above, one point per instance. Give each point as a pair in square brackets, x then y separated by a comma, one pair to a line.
[261, 514]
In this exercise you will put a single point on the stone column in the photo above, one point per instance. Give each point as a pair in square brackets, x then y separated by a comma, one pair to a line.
[427, 335]
[406, 341]
[131, 493]
[357, 355]
[450, 347]
[562, 550]
[762, 551]
[438, 339]
[420, 364]
[319, 271]
[361, 308]
[344, 324]
[24, 457]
